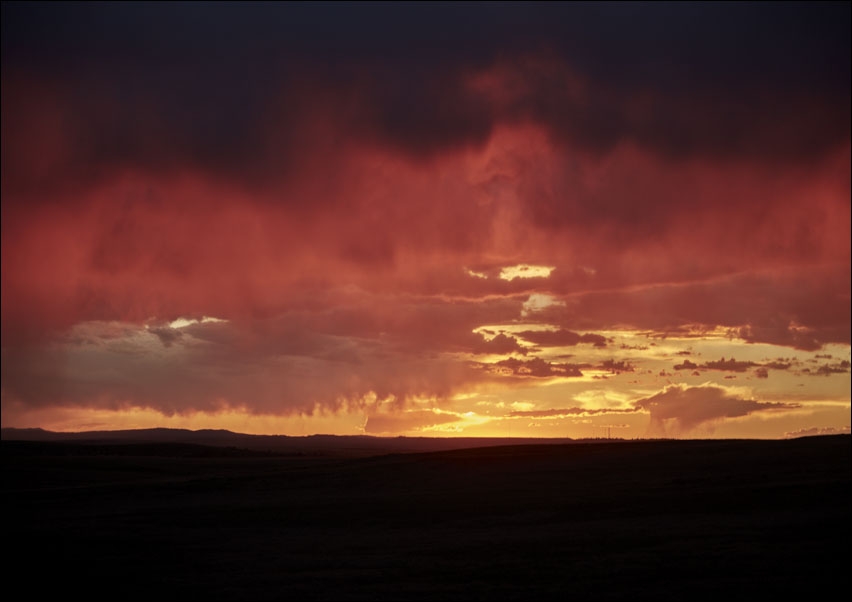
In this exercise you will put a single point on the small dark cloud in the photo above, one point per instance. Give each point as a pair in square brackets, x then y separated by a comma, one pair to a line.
[778, 365]
[616, 367]
[166, 334]
[501, 344]
[837, 368]
[536, 367]
[730, 365]
[561, 338]
[686, 365]
[779, 333]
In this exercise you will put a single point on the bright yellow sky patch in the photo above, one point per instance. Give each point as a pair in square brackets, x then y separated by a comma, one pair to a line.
[526, 271]
[184, 322]
[475, 274]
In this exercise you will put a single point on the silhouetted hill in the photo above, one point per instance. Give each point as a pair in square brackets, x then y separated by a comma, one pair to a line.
[165, 449]
[350, 445]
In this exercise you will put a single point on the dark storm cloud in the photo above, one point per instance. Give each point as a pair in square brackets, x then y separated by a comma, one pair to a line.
[237, 89]
[273, 365]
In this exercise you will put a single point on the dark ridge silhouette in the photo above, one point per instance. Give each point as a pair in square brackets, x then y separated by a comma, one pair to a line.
[159, 449]
[614, 520]
[345, 445]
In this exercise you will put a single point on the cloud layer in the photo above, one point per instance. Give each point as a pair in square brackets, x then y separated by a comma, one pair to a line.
[350, 190]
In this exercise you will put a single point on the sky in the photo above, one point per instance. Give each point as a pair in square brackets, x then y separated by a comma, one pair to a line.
[427, 219]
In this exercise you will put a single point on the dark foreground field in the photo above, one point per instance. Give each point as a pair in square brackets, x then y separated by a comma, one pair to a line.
[649, 520]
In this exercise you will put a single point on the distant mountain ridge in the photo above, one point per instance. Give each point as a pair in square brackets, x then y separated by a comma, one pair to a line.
[309, 444]
[149, 434]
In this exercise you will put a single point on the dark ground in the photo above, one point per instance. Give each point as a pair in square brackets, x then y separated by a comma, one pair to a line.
[640, 520]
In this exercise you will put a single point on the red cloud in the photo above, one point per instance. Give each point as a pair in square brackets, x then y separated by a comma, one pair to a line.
[330, 204]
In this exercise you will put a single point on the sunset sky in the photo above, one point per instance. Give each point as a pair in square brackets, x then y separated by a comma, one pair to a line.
[555, 220]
